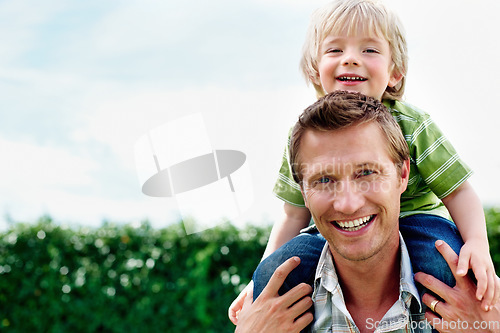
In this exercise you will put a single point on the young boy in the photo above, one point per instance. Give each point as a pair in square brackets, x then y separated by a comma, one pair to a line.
[358, 45]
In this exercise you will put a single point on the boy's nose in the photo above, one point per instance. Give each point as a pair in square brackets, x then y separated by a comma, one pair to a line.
[350, 59]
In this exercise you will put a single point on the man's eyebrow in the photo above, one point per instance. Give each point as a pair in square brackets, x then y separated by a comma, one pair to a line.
[318, 174]
[366, 164]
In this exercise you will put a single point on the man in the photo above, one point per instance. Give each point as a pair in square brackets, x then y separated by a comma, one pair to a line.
[352, 162]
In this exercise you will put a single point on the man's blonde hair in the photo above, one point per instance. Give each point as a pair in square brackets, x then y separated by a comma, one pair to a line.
[353, 17]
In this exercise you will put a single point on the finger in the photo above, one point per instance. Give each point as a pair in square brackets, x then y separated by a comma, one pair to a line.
[247, 302]
[301, 306]
[279, 276]
[497, 290]
[249, 297]
[234, 308]
[490, 291]
[482, 282]
[434, 285]
[296, 293]
[232, 316]
[428, 299]
[449, 255]
[463, 262]
[303, 321]
[243, 299]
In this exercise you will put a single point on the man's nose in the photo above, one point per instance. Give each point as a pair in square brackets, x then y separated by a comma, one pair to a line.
[348, 199]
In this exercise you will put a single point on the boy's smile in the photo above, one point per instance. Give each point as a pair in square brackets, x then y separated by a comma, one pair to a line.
[350, 79]
[356, 63]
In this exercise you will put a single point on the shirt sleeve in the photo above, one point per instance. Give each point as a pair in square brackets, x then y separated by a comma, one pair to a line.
[285, 187]
[436, 159]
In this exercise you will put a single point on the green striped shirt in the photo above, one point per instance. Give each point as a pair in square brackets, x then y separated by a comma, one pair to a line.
[436, 170]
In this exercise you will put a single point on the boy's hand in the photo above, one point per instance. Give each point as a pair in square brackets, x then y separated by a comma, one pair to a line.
[237, 304]
[475, 254]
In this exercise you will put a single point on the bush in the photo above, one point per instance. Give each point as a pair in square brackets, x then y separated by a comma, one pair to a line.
[123, 278]
[493, 225]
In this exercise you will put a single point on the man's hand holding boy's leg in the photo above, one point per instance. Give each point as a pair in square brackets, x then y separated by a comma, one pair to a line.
[274, 313]
[458, 310]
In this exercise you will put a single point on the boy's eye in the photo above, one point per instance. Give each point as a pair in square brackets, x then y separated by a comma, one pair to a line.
[334, 51]
[370, 50]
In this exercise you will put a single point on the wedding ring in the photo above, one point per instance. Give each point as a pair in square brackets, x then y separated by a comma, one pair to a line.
[433, 305]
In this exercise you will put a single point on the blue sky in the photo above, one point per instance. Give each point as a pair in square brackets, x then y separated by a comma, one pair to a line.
[81, 82]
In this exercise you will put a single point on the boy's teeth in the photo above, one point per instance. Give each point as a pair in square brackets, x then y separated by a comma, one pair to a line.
[354, 223]
[351, 78]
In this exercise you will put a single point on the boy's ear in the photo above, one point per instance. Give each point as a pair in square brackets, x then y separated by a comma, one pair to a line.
[315, 79]
[396, 77]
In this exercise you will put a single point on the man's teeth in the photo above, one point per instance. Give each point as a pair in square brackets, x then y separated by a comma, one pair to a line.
[354, 224]
[351, 78]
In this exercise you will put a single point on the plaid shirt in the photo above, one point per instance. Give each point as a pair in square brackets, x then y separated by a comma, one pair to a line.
[331, 314]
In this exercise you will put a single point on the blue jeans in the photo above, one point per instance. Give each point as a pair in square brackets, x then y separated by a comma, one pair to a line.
[419, 232]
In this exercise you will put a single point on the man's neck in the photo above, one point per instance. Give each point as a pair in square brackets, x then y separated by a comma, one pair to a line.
[370, 286]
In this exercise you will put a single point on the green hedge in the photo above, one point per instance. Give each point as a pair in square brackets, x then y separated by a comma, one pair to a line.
[121, 278]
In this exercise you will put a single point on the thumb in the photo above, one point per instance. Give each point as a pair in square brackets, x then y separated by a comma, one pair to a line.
[463, 262]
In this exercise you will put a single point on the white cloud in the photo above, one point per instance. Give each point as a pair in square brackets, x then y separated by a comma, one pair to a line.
[254, 122]
[18, 23]
[76, 99]
[30, 174]
[30, 165]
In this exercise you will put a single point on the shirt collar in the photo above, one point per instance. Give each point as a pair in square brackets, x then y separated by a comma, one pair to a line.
[407, 283]
[327, 275]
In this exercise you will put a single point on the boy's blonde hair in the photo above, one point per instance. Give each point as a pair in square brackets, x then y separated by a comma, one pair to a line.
[352, 17]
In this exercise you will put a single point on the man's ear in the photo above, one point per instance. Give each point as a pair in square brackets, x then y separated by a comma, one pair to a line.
[405, 175]
[304, 196]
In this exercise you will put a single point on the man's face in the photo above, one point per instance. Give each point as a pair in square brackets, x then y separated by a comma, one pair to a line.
[352, 188]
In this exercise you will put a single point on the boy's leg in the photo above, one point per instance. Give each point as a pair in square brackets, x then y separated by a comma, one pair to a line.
[420, 232]
[307, 246]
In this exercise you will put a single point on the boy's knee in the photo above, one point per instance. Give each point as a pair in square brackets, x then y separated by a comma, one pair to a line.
[265, 270]
[262, 275]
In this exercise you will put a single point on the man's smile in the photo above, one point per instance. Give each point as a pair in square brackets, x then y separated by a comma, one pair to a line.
[354, 225]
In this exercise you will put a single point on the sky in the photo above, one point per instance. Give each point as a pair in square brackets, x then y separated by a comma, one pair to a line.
[83, 81]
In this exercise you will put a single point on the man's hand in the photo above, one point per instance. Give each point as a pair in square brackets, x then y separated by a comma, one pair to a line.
[274, 313]
[235, 307]
[459, 310]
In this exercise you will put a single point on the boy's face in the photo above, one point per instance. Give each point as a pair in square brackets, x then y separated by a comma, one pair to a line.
[356, 63]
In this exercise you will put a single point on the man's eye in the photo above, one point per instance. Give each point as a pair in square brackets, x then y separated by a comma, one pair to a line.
[323, 180]
[366, 172]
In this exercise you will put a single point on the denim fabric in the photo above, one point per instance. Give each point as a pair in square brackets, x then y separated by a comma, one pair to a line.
[419, 232]
[307, 246]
